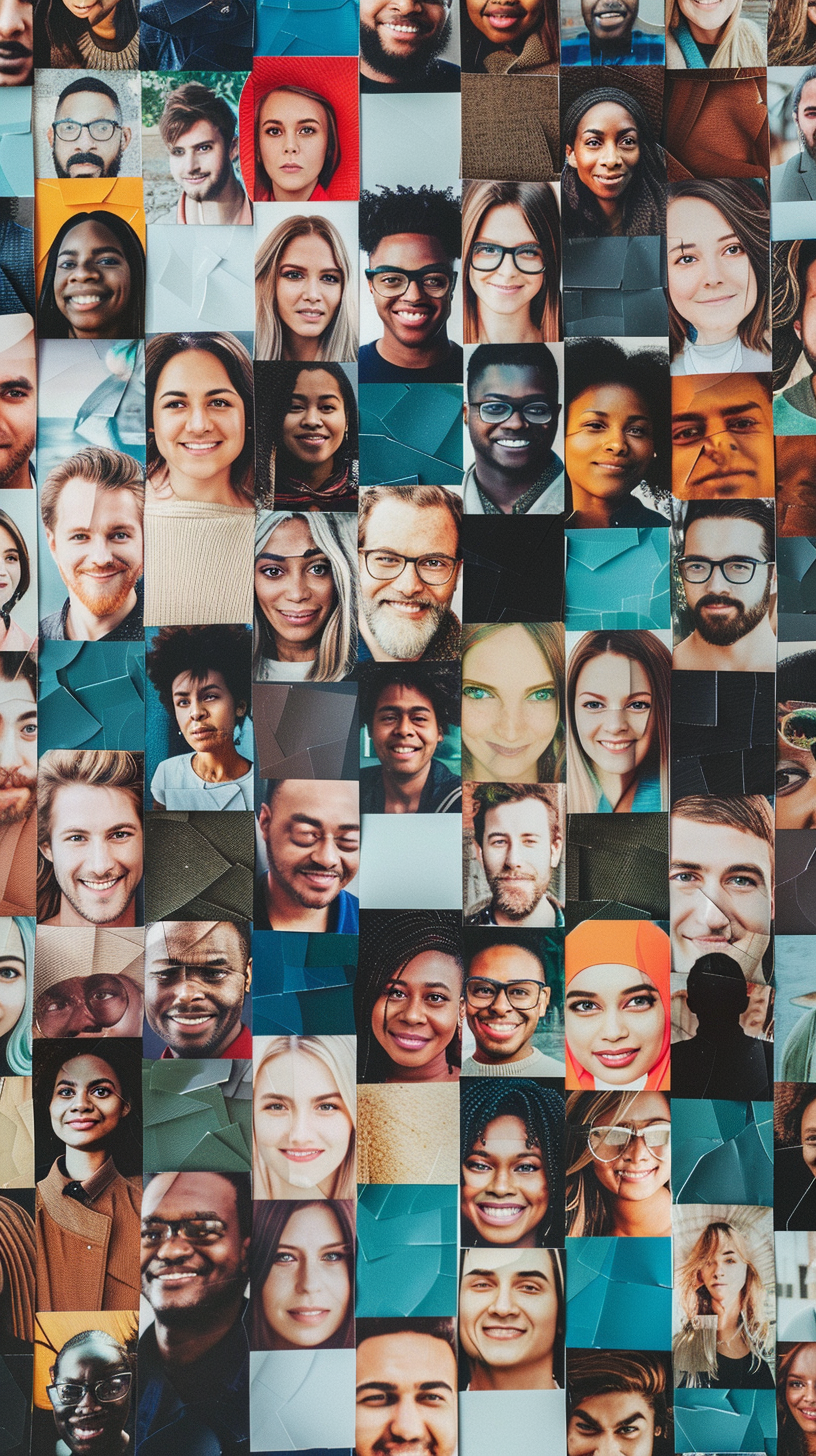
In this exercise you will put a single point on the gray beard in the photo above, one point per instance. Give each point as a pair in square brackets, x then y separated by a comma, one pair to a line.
[518, 900]
[405, 641]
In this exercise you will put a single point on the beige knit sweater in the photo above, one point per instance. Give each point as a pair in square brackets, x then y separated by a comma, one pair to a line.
[199, 560]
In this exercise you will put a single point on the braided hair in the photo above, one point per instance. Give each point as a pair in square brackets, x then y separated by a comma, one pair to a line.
[644, 200]
[389, 941]
[541, 1109]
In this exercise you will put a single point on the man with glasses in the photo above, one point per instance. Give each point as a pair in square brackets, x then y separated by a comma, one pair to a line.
[90, 1394]
[197, 974]
[729, 581]
[413, 239]
[505, 997]
[194, 1358]
[409, 560]
[88, 982]
[87, 136]
[512, 416]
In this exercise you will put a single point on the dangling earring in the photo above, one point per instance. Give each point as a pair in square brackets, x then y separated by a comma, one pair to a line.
[691, 333]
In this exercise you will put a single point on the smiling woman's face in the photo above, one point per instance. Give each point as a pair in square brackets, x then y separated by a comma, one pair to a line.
[614, 1023]
[306, 1294]
[293, 138]
[509, 706]
[92, 282]
[505, 1189]
[199, 420]
[87, 1104]
[9, 565]
[302, 1125]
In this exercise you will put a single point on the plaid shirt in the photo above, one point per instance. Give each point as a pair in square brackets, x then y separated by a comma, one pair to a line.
[645, 50]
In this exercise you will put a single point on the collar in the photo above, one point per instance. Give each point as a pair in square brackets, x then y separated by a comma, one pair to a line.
[92, 1187]
[550, 473]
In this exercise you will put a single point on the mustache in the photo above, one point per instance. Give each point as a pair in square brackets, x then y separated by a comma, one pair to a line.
[92, 157]
[15, 779]
[712, 600]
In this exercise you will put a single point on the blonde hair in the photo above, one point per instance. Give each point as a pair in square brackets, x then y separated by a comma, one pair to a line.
[339, 1054]
[338, 342]
[741, 43]
[98, 768]
[695, 1299]
[588, 1203]
[333, 532]
[583, 789]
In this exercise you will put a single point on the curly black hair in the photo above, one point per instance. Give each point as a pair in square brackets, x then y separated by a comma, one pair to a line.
[198, 651]
[589, 363]
[439, 682]
[411, 210]
[542, 1110]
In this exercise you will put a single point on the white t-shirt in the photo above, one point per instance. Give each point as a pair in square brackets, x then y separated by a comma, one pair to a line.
[176, 785]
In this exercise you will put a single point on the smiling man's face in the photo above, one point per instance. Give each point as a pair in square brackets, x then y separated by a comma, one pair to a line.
[609, 22]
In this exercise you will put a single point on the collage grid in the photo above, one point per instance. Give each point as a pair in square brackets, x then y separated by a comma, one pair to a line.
[453, 863]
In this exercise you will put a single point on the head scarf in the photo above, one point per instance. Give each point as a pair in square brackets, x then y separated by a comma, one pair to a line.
[636, 943]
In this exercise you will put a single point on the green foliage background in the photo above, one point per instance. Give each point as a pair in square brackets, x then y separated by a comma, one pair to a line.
[157, 85]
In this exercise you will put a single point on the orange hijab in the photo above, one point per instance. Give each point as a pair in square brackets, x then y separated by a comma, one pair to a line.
[636, 943]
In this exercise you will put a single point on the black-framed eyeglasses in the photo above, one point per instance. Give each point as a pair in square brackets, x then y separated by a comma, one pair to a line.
[481, 991]
[607, 1143]
[487, 257]
[739, 570]
[393, 282]
[198, 1231]
[110, 1388]
[100, 130]
[388, 565]
[496, 411]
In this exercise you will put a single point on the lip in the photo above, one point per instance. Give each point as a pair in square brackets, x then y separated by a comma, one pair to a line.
[202, 732]
[631, 1177]
[406, 609]
[503, 752]
[615, 745]
[502, 1332]
[191, 1020]
[311, 313]
[617, 1059]
[176, 1276]
[413, 318]
[86, 302]
[84, 1124]
[302, 1155]
[308, 1315]
[321, 880]
[101, 887]
[500, 1033]
[611, 182]
[612, 469]
[409, 1043]
[715, 302]
[505, 287]
[501, 1215]
[511, 442]
[312, 442]
[298, 619]
[104, 575]
[290, 167]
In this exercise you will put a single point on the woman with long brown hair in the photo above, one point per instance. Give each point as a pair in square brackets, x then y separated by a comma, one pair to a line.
[511, 263]
[618, 694]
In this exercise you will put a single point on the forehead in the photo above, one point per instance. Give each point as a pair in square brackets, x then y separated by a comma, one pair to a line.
[610, 399]
[317, 1223]
[84, 1069]
[179, 938]
[180, 1195]
[614, 672]
[808, 96]
[81, 503]
[507, 963]
[409, 250]
[89, 235]
[803, 1365]
[718, 534]
[315, 382]
[809, 1114]
[716, 846]
[291, 538]
[92, 807]
[399, 695]
[512, 381]
[190, 368]
[296, 1074]
[312, 248]
[327, 801]
[505, 1137]
[405, 1359]
[507, 1261]
[726, 392]
[510, 655]
[185, 683]
[695, 213]
[609, 980]
[87, 1359]
[407, 527]
[201, 131]
[82, 105]
[606, 116]
[287, 105]
[523, 816]
[647, 1107]
[431, 965]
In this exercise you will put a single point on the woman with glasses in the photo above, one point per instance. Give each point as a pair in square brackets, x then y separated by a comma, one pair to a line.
[512, 695]
[90, 1394]
[618, 1165]
[618, 697]
[407, 996]
[614, 179]
[616, 435]
[87, 1211]
[511, 251]
[101, 37]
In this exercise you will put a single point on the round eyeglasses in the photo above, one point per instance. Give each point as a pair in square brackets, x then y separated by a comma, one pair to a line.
[799, 728]
[388, 565]
[607, 1143]
[487, 257]
[70, 1392]
[393, 282]
[481, 991]
[103, 999]
[100, 131]
[496, 411]
[739, 570]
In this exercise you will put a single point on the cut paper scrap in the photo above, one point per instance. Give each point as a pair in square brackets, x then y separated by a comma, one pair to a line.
[15, 1398]
[430, 126]
[91, 695]
[617, 867]
[199, 866]
[613, 287]
[619, 1293]
[197, 277]
[306, 731]
[537, 1419]
[63, 954]
[722, 1151]
[618, 579]
[301, 1400]
[723, 733]
[406, 1250]
[516, 574]
[307, 28]
[411, 431]
[408, 1133]
[197, 1115]
[303, 984]
[16, 143]
[725, 1420]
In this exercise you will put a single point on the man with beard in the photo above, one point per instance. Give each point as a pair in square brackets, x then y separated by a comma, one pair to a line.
[794, 409]
[18, 783]
[409, 569]
[92, 507]
[16, 43]
[89, 823]
[795, 180]
[198, 130]
[517, 838]
[197, 974]
[87, 137]
[729, 579]
[18, 401]
[311, 828]
[610, 38]
[400, 45]
[194, 1357]
[90, 1393]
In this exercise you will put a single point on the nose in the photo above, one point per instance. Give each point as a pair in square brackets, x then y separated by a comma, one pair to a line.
[81, 1102]
[501, 1003]
[409, 581]
[88, 1403]
[413, 1010]
[11, 17]
[509, 722]
[616, 441]
[407, 1422]
[710, 912]
[300, 1127]
[85, 268]
[413, 292]
[501, 1181]
[99, 857]
[507, 266]
[297, 588]
[614, 1025]
[79, 1020]
[637, 1151]
[326, 853]
[198, 709]
[613, 720]
[11, 757]
[610, 156]
[503, 1302]
[173, 1249]
[307, 1278]
[99, 552]
[198, 422]
[513, 856]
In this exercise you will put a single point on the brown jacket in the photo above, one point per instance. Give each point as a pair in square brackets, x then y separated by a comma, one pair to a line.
[716, 124]
[88, 1254]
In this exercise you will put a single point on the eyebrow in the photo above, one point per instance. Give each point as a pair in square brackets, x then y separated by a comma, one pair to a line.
[637, 1415]
[165, 1217]
[690, 864]
[516, 398]
[520, 1274]
[599, 131]
[109, 829]
[682, 247]
[727, 409]
[274, 120]
[187, 960]
[592, 409]
[94, 1082]
[629, 991]
[21, 382]
[301, 556]
[318, 823]
[391, 1387]
[182, 393]
[108, 248]
[398, 981]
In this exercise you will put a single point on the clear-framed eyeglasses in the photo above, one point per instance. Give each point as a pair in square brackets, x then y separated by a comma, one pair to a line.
[607, 1143]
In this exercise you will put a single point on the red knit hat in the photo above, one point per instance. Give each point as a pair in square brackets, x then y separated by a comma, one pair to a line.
[335, 78]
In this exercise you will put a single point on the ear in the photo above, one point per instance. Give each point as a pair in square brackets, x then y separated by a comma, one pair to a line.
[126, 138]
[797, 329]
[51, 1371]
[51, 539]
[45, 851]
[240, 711]
[248, 976]
[125, 1108]
[50, 136]
[555, 852]
[478, 849]
[465, 414]
[264, 819]
[245, 1255]
[570, 155]
[544, 1001]
[233, 151]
